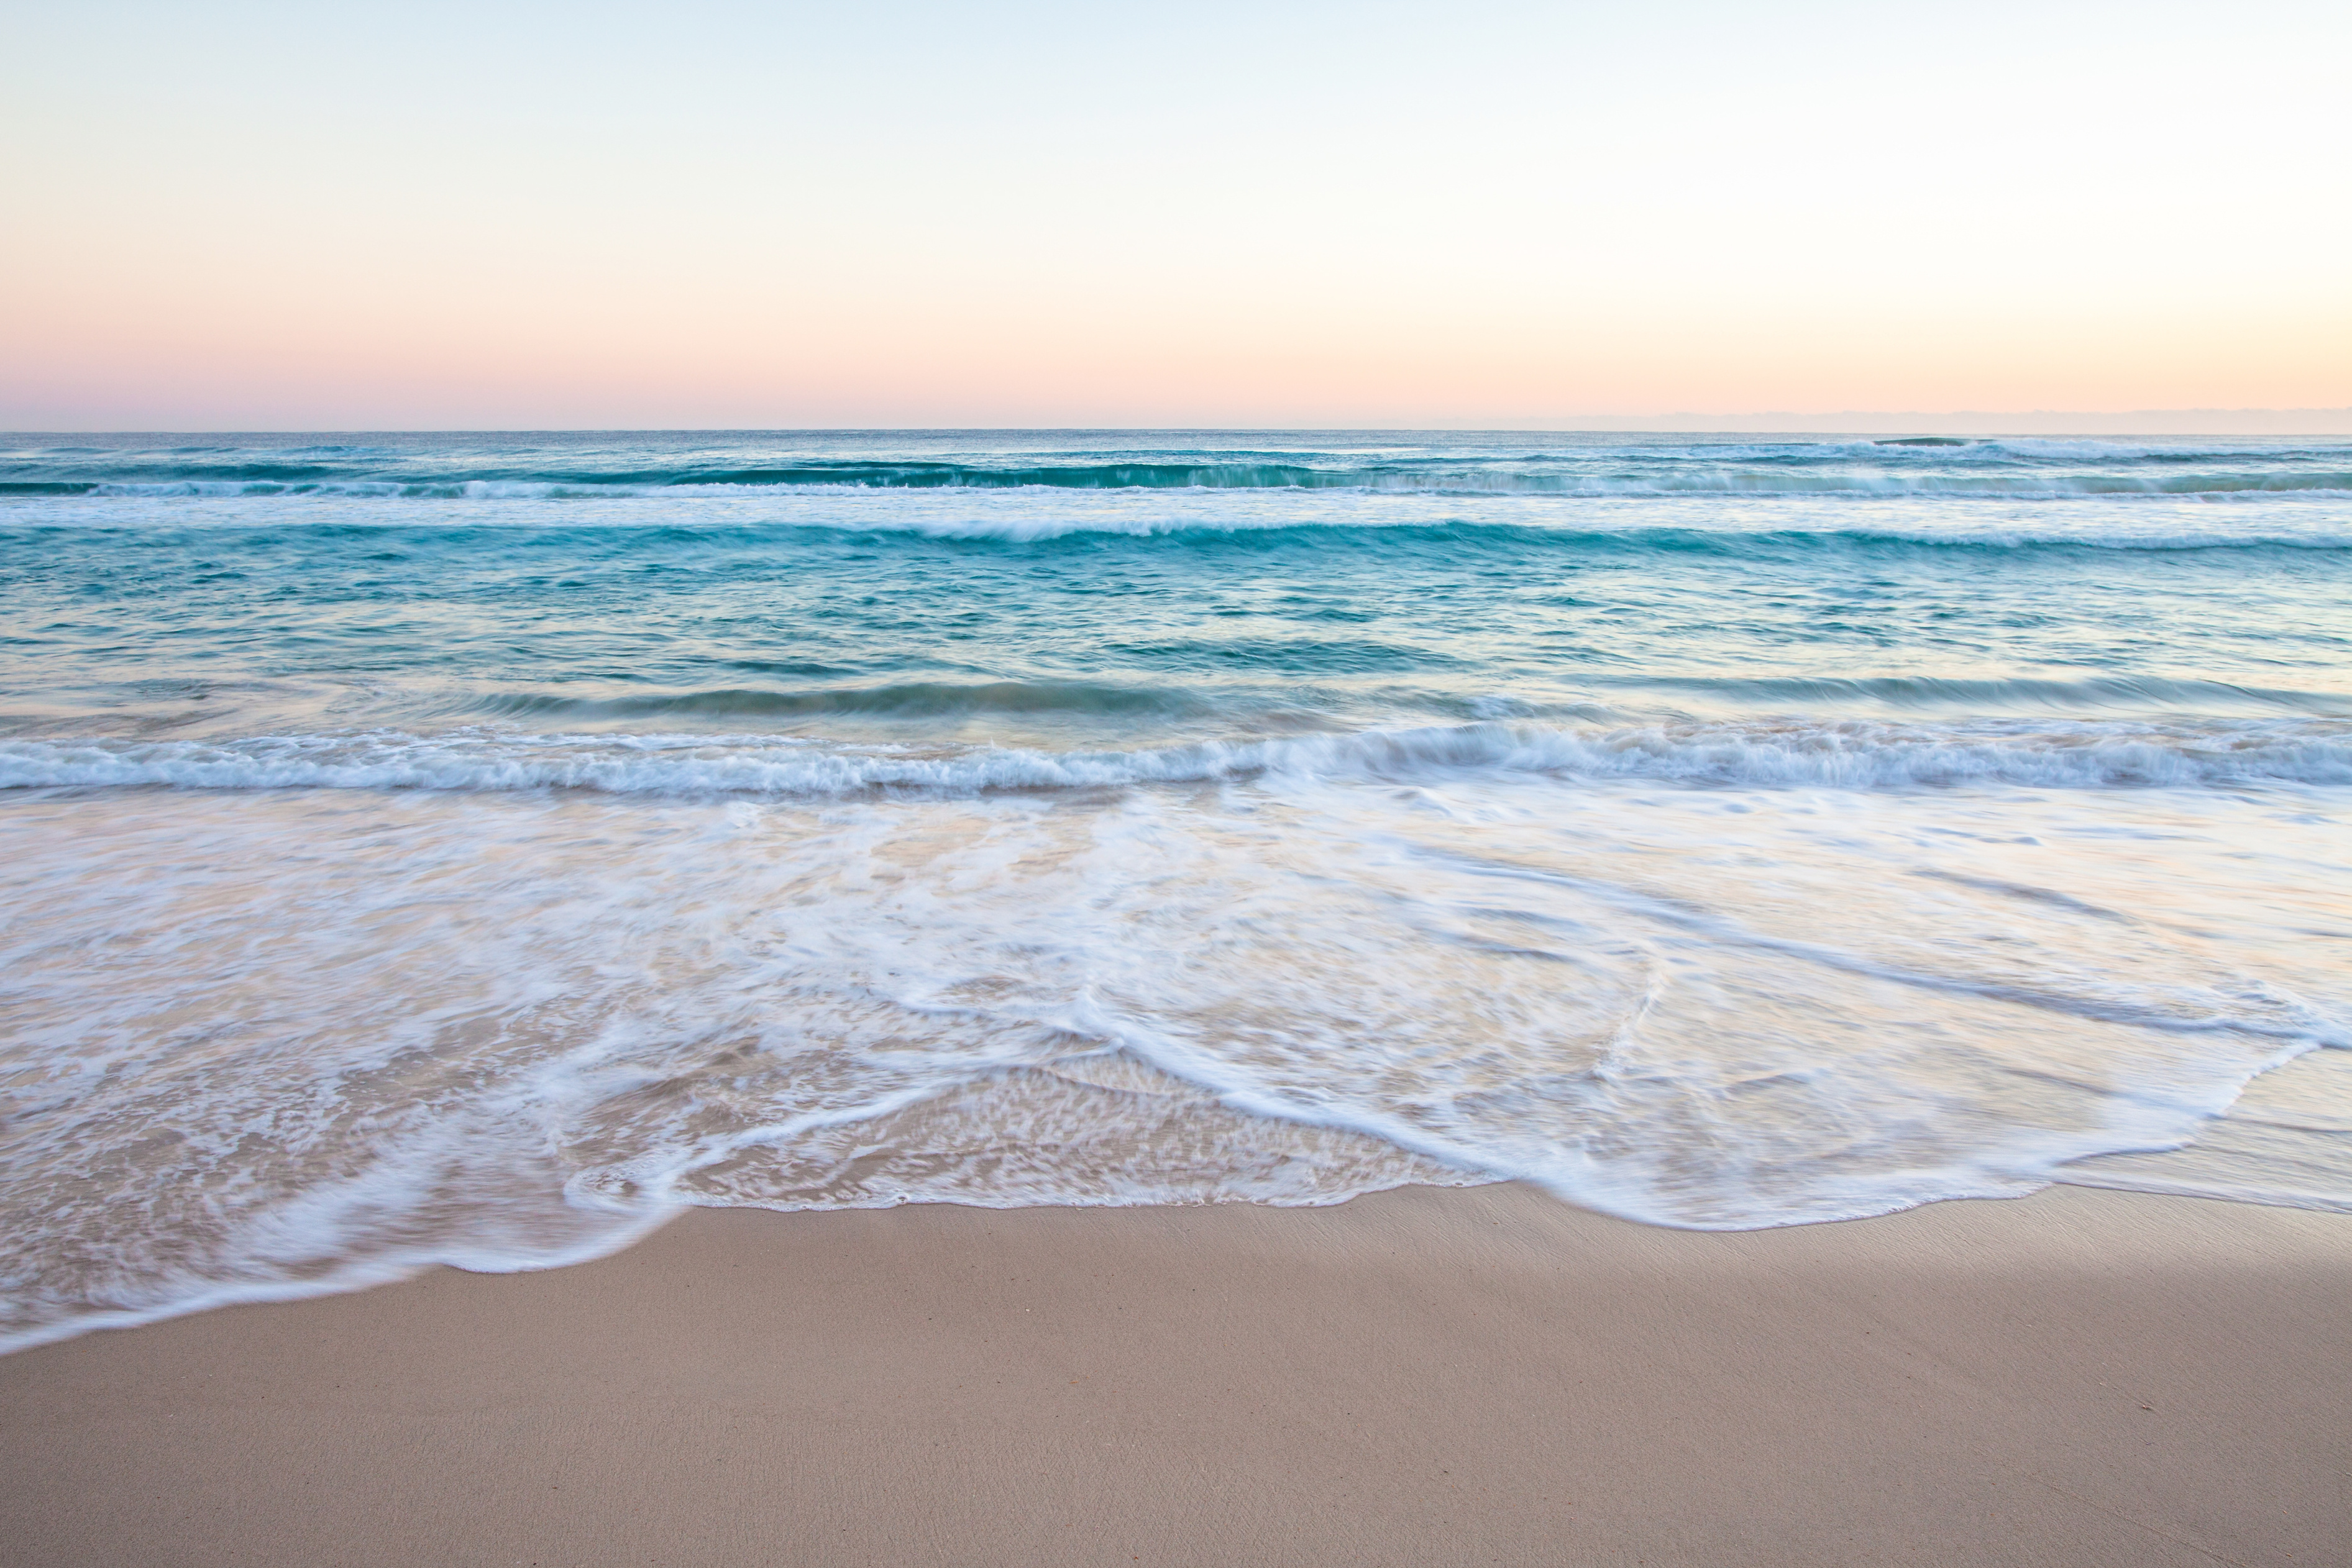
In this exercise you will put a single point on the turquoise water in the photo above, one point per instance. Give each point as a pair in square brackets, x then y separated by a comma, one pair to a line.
[473, 847]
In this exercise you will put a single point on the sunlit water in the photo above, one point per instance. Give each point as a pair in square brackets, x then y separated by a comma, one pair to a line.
[473, 848]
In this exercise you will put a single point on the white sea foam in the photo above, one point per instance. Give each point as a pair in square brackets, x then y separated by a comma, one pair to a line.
[1728, 481]
[1759, 754]
[266, 1044]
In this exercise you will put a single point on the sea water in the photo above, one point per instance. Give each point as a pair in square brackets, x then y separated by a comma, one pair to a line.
[473, 848]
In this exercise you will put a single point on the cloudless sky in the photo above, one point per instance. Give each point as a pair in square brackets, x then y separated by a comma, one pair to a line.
[713, 214]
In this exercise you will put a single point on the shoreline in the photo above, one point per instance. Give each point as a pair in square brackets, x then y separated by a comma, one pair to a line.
[1424, 1376]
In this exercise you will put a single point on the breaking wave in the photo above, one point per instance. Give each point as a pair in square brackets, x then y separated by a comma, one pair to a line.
[1853, 755]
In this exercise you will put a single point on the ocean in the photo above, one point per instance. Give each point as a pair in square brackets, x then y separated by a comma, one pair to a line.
[475, 848]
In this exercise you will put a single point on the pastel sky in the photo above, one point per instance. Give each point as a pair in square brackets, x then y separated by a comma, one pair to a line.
[720, 215]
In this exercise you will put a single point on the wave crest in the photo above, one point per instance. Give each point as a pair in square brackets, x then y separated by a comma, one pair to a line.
[1725, 479]
[1851, 755]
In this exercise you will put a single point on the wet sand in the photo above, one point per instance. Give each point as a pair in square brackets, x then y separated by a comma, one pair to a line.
[1418, 1377]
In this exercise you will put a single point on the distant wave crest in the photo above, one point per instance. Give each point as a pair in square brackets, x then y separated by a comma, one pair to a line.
[549, 468]
[1725, 479]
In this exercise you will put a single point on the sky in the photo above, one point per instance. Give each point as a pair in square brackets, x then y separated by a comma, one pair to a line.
[714, 214]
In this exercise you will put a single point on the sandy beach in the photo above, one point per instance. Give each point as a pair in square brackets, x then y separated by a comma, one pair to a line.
[1416, 1377]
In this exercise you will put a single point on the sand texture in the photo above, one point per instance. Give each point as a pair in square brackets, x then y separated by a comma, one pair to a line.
[1420, 1377]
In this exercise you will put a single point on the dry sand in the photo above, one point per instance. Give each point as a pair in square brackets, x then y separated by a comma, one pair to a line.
[1420, 1377]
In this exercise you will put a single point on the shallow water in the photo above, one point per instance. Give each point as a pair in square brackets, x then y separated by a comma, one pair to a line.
[470, 848]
